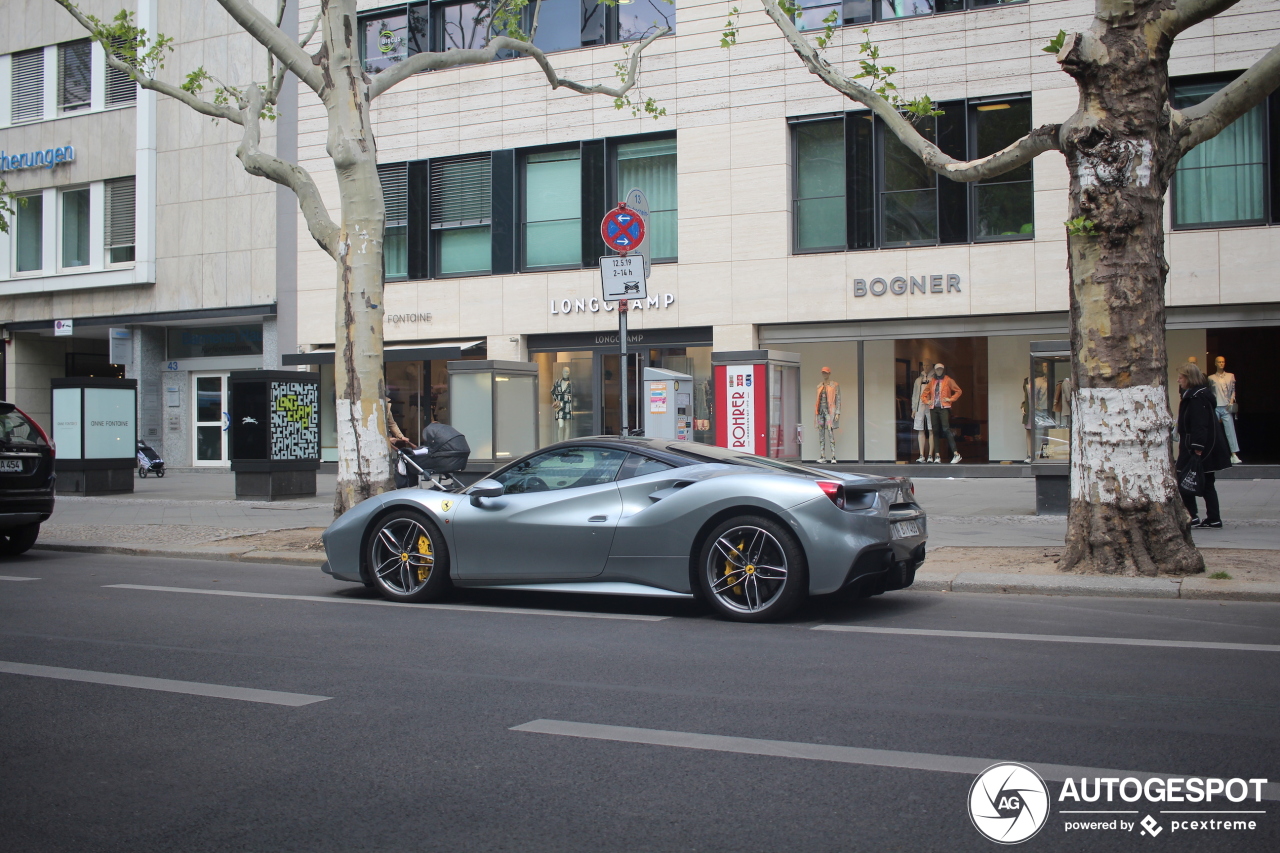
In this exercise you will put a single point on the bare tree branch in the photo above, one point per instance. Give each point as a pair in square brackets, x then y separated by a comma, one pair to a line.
[175, 92]
[389, 77]
[273, 39]
[1185, 14]
[1036, 142]
[278, 80]
[1211, 116]
[264, 165]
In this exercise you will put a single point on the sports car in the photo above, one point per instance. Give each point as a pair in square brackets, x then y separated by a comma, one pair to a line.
[641, 516]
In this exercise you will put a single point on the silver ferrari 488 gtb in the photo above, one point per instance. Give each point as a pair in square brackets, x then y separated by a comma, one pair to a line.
[640, 516]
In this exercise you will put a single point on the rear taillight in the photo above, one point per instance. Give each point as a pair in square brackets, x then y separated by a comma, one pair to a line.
[833, 490]
[53, 451]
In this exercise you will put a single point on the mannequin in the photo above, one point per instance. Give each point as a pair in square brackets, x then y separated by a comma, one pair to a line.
[921, 416]
[562, 404]
[826, 416]
[1224, 391]
[940, 391]
[1026, 415]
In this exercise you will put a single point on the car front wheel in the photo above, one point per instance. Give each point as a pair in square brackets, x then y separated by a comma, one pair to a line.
[18, 540]
[753, 570]
[407, 558]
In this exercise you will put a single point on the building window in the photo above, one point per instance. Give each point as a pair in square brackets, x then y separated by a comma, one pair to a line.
[552, 222]
[75, 227]
[855, 186]
[1003, 205]
[650, 165]
[819, 187]
[29, 233]
[810, 14]
[460, 26]
[460, 215]
[120, 88]
[1222, 181]
[908, 192]
[395, 200]
[27, 97]
[118, 233]
[559, 24]
[74, 76]
[391, 35]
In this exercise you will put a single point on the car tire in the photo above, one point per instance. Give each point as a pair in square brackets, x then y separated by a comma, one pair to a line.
[18, 540]
[765, 560]
[417, 569]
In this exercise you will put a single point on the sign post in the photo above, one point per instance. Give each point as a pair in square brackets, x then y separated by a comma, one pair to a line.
[623, 278]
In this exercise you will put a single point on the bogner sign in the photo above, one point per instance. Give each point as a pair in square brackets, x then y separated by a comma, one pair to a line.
[898, 285]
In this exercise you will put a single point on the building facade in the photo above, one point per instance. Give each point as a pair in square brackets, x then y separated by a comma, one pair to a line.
[784, 218]
[140, 247]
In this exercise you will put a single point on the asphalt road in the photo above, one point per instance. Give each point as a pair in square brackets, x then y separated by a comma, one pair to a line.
[645, 725]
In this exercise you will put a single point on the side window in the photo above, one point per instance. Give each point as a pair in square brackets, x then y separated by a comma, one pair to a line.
[564, 468]
[638, 466]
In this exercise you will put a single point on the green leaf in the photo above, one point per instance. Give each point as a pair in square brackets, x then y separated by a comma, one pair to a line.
[1055, 43]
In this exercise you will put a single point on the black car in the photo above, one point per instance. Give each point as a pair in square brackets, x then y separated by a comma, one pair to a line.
[26, 480]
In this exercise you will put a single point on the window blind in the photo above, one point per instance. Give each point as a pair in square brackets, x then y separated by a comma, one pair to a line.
[460, 191]
[74, 76]
[395, 192]
[28, 86]
[120, 88]
[119, 225]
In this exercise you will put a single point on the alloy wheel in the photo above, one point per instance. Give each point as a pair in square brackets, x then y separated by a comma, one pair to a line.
[746, 569]
[403, 556]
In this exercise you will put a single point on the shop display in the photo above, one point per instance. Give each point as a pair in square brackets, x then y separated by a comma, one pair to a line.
[1225, 405]
[826, 411]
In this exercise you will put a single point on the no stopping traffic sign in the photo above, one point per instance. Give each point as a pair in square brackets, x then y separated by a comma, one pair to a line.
[622, 230]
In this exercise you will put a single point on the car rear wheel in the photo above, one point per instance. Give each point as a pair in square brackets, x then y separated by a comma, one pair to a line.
[18, 540]
[753, 570]
[407, 558]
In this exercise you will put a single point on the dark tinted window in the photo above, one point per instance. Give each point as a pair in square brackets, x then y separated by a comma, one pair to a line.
[15, 429]
[639, 466]
[563, 468]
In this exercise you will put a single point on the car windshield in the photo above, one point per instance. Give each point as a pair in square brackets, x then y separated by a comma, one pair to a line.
[709, 453]
[15, 429]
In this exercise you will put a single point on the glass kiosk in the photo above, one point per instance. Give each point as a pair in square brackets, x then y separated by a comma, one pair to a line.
[1049, 400]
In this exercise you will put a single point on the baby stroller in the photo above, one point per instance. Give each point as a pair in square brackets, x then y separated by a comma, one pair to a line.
[444, 451]
[149, 461]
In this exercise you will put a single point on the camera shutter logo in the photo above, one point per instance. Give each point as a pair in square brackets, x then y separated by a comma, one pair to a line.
[1008, 803]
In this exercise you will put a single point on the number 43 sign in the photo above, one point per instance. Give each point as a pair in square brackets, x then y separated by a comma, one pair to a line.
[623, 278]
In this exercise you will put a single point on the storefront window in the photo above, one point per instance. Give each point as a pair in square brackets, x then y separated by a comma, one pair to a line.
[406, 392]
[214, 341]
[552, 209]
[566, 396]
[1049, 398]
[695, 362]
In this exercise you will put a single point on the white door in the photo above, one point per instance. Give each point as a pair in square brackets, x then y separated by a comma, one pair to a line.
[209, 403]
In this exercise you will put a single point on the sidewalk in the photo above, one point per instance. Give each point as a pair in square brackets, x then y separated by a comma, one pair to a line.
[196, 516]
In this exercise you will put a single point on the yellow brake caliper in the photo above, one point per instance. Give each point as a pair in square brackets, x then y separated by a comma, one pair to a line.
[728, 569]
[424, 548]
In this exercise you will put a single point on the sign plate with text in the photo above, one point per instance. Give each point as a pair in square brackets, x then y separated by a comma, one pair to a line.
[623, 278]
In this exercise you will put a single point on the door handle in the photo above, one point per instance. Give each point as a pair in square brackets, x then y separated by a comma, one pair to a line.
[598, 518]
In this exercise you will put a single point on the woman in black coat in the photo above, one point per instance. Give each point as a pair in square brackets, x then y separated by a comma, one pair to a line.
[1200, 434]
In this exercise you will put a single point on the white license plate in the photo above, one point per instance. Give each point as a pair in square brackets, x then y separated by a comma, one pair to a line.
[904, 529]
[10, 466]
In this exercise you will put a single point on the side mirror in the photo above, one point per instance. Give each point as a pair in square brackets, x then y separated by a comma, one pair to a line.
[485, 489]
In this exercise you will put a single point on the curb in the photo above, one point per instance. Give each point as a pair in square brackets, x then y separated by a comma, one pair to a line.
[224, 554]
[1110, 587]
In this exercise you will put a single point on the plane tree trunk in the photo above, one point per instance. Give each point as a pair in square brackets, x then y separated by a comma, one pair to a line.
[1125, 515]
[364, 457]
